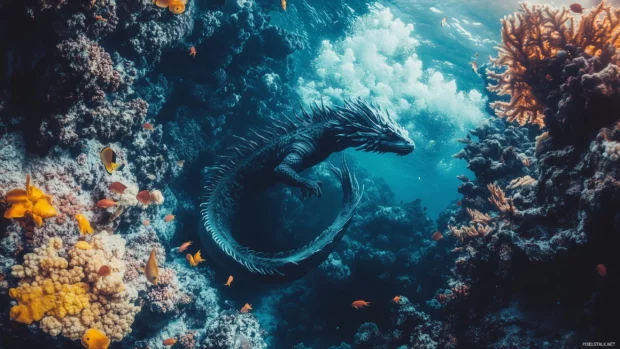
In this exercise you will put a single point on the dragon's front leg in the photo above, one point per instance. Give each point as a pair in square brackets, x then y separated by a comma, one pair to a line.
[287, 173]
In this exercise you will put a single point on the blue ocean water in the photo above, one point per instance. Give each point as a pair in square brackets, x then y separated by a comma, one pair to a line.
[398, 53]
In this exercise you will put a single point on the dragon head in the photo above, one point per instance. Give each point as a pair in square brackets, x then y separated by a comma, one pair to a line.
[367, 127]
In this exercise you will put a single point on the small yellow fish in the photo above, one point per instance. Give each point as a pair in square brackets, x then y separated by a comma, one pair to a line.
[152, 271]
[284, 5]
[83, 224]
[95, 339]
[195, 259]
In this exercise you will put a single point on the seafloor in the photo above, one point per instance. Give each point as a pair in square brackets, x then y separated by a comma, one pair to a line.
[528, 257]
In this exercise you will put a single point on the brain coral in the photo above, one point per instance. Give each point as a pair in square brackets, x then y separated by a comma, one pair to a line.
[68, 296]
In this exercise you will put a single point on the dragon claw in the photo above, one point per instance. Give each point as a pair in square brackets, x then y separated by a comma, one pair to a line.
[312, 188]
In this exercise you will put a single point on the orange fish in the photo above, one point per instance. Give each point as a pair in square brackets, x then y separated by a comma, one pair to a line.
[396, 299]
[190, 259]
[437, 236]
[198, 258]
[117, 187]
[146, 222]
[360, 304]
[577, 8]
[184, 246]
[284, 5]
[601, 270]
[548, 77]
[169, 341]
[230, 280]
[147, 126]
[474, 67]
[144, 197]
[246, 308]
[106, 203]
[181, 163]
[168, 218]
[192, 51]
[99, 18]
[195, 259]
[104, 271]
[459, 203]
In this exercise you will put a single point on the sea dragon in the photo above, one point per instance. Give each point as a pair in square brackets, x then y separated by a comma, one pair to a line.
[277, 155]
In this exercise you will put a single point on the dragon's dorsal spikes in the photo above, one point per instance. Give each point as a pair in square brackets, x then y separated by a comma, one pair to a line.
[259, 136]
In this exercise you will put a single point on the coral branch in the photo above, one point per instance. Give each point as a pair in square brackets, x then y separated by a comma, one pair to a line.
[499, 200]
[530, 39]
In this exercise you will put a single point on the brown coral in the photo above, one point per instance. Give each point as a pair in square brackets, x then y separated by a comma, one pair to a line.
[533, 36]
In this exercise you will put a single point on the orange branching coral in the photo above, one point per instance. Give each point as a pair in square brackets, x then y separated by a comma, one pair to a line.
[32, 201]
[535, 34]
[476, 229]
[479, 217]
[499, 200]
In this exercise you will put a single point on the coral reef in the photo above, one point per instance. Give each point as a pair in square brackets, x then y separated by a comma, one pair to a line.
[68, 295]
[536, 43]
[233, 330]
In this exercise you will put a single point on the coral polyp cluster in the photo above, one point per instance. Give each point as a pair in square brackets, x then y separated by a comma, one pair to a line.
[531, 40]
[68, 295]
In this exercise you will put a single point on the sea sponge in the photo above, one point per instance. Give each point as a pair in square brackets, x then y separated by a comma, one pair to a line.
[68, 296]
[533, 37]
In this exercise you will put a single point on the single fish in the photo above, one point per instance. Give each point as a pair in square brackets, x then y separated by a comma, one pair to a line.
[190, 259]
[144, 197]
[106, 203]
[168, 218]
[601, 270]
[147, 126]
[95, 339]
[170, 341]
[284, 5]
[360, 304]
[104, 271]
[152, 271]
[146, 222]
[180, 163]
[198, 258]
[444, 22]
[396, 299]
[459, 203]
[246, 308]
[577, 8]
[84, 224]
[192, 51]
[548, 77]
[437, 236]
[185, 245]
[99, 18]
[109, 161]
[151, 176]
[230, 280]
[117, 187]
[117, 213]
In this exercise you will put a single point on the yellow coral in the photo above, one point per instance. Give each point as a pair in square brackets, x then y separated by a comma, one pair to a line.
[68, 296]
[536, 33]
[34, 302]
[31, 200]
[83, 245]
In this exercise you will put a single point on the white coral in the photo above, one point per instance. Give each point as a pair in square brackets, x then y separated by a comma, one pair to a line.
[612, 150]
